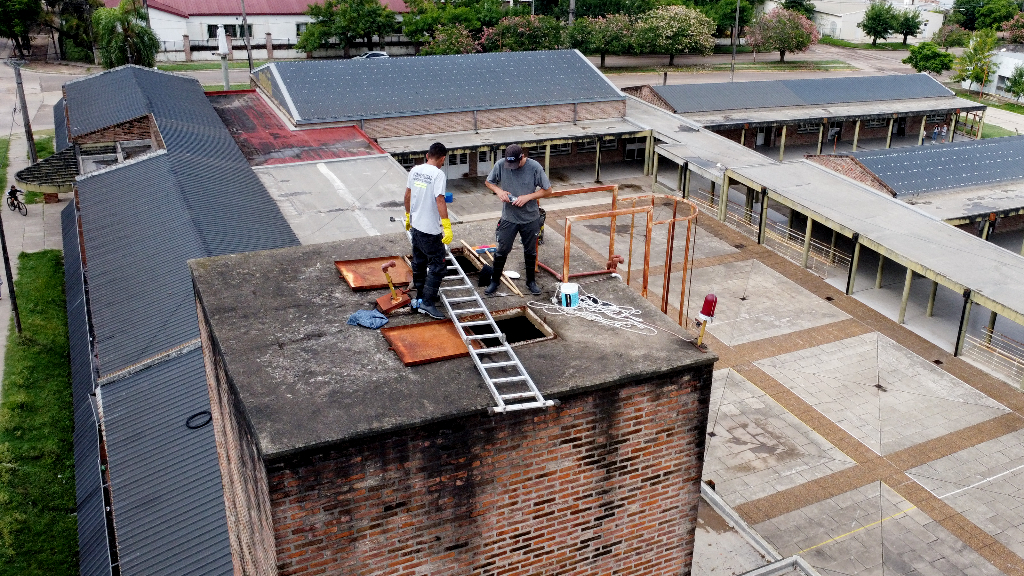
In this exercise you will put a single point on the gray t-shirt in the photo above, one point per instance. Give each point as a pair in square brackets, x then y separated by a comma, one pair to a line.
[519, 182]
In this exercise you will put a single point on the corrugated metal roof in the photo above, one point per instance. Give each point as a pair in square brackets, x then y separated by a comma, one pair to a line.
[689, 98]
[342, 90]
[93, 546]
[919, 169]
[169, 512]
[103, 100]
[60, 127]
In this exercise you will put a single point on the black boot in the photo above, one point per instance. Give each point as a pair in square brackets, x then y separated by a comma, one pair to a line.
[499, 269]
[531, 275]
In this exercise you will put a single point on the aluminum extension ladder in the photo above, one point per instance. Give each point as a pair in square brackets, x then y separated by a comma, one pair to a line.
[513, 392]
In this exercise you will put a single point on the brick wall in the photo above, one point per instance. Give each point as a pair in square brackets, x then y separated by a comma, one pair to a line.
[500, 118]
[606, 483]
[647, 94]
[141, 128]
[245, 480]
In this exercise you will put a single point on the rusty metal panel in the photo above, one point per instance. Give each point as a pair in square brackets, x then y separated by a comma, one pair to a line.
[425, 342]
[367, 274]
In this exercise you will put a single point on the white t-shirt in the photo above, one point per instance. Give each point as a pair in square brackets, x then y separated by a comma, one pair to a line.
[426, 183]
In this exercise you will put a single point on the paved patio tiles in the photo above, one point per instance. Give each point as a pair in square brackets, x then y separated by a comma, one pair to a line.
[754, 302]
[872, 530]
[758, 447]
[881, 393]
[985, 483]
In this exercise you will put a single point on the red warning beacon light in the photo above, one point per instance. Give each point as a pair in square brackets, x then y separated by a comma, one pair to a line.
[707, 314]
[708, 309]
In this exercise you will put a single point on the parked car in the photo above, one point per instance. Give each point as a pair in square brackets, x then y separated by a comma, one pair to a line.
[369, 55]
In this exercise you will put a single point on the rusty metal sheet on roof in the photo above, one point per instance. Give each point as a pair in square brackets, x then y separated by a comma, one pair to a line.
[425, 342]
[366, 274]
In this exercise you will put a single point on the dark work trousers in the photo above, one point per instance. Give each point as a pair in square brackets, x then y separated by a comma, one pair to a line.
[428, 266]
[505, 235]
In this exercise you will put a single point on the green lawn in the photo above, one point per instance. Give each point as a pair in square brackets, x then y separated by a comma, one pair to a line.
[187, 66]
[220, 87]
[38, 531]
[863, 45]
[5, 145]
[992, 131]
[973, 97]
[769, 65]
[44, 146]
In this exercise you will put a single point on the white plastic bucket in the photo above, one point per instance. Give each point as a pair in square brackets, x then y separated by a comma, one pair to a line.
[569, 295]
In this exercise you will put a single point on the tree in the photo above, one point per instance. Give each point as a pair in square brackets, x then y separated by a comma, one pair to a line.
[976, 64]
[908, 23]
[994, 12]
[964, 13]
[346, 21]
[596, 8]
[879, 20]
[675, 30]
[426, 15]
[803, 7]
[1015, 29]
[16, 17]
[926, 57]
[723, 13]
[783, 31]
[124, 36]
[612, 34]
[518, 33]
[451, 39]
[1015, 82]
[951, 35]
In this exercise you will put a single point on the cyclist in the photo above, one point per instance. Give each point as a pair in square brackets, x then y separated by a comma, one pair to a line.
[13, 192]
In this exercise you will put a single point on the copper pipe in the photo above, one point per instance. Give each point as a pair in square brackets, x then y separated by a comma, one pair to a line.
[668, 259]
[686, 262]
[615, 206]
[572, 191]
[632, 226]
[608, 214]
[647, 251]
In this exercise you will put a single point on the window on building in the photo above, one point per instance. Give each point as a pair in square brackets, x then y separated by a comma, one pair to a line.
[807, 127]
[483, 156]
[300, 28]
[590, 146]
[409, 162]
[561, 149]
[233, 30]
[935, 118]
[875, 123]
[458, 159]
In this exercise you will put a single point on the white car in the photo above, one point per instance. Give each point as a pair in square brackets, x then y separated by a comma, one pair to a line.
[369, 55]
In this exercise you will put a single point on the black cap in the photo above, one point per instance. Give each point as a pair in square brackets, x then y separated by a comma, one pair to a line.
[513, 154]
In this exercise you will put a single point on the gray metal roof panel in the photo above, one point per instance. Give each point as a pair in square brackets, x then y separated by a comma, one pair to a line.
[104, 99]
[60, 127]
[690, 98]
[169, 512]
[329, 90]
[93, 545]
[920, 169]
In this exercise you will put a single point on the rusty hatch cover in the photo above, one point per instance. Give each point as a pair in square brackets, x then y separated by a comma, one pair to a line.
[367, 274]
[425, 342]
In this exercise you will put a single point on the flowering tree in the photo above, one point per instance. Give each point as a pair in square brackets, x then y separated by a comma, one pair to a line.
[1015, 29]
[951, 35]
[604, 35]
[519, 33]
[675, 30]
[783, 31]
[451, 39]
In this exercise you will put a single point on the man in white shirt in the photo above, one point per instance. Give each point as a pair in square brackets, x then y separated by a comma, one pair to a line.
[426, 215]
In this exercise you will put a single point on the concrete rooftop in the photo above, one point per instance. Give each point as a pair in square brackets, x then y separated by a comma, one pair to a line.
[308, 380]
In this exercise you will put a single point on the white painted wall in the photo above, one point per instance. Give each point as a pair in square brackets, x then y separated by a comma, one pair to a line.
[844, 26]
[1005, 62]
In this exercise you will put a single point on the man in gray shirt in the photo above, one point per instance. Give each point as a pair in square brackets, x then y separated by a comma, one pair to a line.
[519, 182]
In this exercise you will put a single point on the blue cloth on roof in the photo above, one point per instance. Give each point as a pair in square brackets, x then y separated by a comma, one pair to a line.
[367, 318]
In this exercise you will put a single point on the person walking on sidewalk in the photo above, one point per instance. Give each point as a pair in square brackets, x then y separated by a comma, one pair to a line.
[426, 215]
[519, 182]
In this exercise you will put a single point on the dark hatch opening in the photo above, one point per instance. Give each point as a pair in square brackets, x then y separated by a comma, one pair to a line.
[520, 326]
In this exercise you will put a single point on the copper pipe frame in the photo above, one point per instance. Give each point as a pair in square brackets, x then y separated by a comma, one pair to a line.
[614, 189]
[648, 210]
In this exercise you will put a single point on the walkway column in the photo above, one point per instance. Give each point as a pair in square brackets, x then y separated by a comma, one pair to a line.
[920, 139]
[762, 226]
[679, 179]
[188, 47]
[853, 264]
[931, 299]
[985, 228]
[888, 137]
[270, 46]
[1022, 249]
[647, 153]
[878, 277]
[991, 327]
[743, 136]
[856, 135]
[952, 126]
[906, 296]
[723, 200]
[686, 181]
[821, 135]
[597, 162]
[654, 172]
[547, 159]
[965, 316]
[807, 240]
[832, 249]
[711, 198]
[782, 145]
[981, 126]
[749, 205]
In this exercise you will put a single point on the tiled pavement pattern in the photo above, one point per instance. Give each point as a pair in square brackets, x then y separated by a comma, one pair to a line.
[939, 423]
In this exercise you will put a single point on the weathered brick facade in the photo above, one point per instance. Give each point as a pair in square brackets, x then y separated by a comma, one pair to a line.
[499, 118]
[607, 483]
[141, 128]
[648, 94]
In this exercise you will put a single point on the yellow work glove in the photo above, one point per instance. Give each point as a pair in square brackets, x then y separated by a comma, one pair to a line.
[408, 221]
[447, 225]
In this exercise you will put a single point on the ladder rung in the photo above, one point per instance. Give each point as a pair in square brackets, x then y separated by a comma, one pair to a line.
[482, 337]
[468, 310]
[461, 299]
[523, 406]
[498, 364]
[518, 396]
[510, 379]
[461, 287]
[491, 350]
[476, 323]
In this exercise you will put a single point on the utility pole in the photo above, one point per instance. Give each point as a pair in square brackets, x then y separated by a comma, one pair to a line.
[16, 64]
[735, 41]
[10, 277]
[572, 11]
[245, 34]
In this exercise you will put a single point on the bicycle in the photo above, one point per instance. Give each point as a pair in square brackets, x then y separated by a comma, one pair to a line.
[16, 203]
